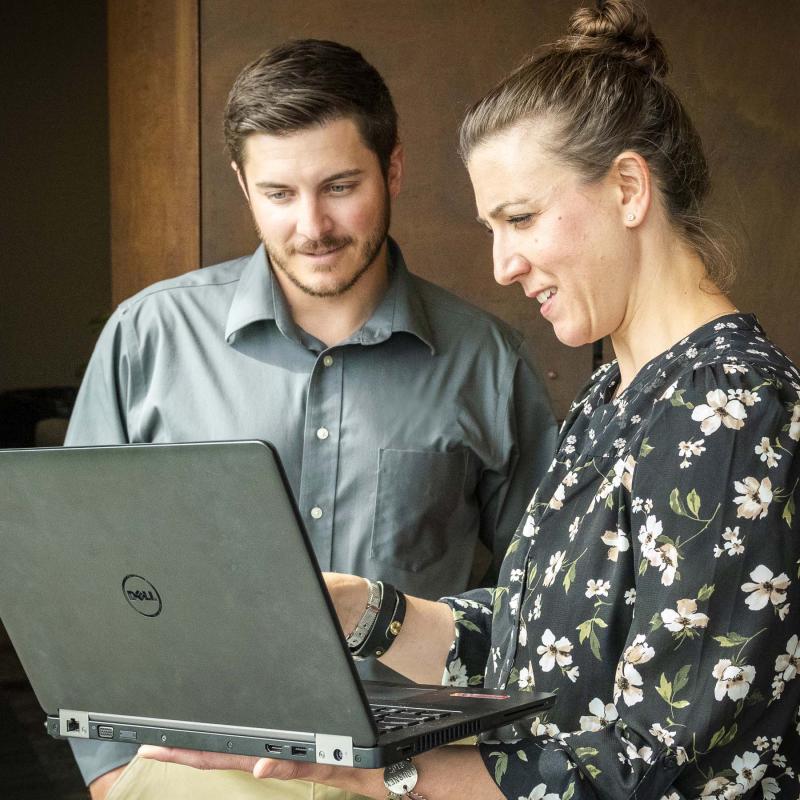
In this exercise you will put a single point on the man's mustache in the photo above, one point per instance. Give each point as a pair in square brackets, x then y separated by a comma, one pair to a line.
[321, 246]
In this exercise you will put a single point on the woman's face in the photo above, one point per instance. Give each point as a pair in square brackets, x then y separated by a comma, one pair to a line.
[561, 239]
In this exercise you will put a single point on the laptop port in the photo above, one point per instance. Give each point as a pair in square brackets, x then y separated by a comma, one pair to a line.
[273, 748]
[105, 731]
[73, 725]
[299, 751]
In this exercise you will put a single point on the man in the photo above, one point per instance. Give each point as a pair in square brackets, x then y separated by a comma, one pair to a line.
[410, 424]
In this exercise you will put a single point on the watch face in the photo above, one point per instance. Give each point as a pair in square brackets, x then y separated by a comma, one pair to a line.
[401, 777]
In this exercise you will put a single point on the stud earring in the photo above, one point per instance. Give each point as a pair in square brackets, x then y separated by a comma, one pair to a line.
[630, 217]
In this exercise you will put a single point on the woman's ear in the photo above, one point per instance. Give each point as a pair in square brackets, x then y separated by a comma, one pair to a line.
[632, 180]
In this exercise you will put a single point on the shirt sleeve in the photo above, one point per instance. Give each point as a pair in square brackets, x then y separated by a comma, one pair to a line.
[101, 416]
[472, 615]
[713, 646]
[526, 438]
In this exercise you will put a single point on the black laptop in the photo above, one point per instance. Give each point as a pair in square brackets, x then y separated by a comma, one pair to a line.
[168, 594]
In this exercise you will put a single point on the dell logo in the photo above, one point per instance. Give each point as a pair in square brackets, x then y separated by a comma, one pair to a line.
[141, 595]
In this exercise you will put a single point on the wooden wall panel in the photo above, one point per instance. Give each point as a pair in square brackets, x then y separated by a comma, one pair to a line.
[154, 141]
[735, 65]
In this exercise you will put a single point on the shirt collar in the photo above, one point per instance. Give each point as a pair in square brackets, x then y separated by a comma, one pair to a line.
[258, 297]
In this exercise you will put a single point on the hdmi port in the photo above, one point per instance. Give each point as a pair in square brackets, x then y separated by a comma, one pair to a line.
[273, 748]
[299, 751]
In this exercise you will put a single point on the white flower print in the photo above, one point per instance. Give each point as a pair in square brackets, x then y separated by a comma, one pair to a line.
[747, 397]
[719, 411]
[538, 728]
[666, 559]
[516, 575]
[570, 479]
[662, 734]
[530, 529]
[765, 588]
[733, 544]
[537, 606]
[648, 505]
[648, 534]
[732, 369]
[721, 788]
[630, 597]
[645, 753]
[732, 680]
[669, 391]
[539, 793]
[748, 770]
[788, 662]
[556, 562]
[574, 527]
[639, 652]
[755, 498]
[688, 449]
[513, 604]
[557, 500]
[794, 423]
[684, 618]
[601, 715]
[526, 679]
[765, 451]
[554, 652]
[770, 788]
[455, 674]
[761, 743]
[523, 634]
[597, 587]
[637, 504]
[573, 673]
[617, 542]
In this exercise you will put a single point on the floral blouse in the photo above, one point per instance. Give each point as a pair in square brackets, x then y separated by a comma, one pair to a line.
[654, 585]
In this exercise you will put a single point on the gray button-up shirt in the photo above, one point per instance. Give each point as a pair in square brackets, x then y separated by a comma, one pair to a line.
[424, 431]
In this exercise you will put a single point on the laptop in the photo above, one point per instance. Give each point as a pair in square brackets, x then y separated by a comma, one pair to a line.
[168, 594]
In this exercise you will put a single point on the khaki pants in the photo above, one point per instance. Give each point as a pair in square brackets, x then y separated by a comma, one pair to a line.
[145, 779]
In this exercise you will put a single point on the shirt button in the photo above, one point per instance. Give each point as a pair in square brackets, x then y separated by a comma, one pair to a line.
[327, 360]
[316, 512]
[323, 434]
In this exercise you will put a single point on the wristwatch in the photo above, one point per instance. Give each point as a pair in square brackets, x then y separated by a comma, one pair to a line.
[400, 779]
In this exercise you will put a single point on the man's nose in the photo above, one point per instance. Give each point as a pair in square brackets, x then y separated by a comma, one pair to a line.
[313, 220]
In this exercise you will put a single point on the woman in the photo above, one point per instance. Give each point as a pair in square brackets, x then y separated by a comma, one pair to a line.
[653, 582]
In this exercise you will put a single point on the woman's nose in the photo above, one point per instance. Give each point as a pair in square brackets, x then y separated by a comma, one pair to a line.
[509, 264]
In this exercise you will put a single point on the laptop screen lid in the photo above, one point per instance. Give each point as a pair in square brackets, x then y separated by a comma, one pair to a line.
[171, 582]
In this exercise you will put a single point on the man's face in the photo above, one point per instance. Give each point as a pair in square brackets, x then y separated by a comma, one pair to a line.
[320, 203]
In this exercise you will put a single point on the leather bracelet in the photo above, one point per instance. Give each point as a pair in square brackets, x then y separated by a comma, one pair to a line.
[387, 625]
[364, 626]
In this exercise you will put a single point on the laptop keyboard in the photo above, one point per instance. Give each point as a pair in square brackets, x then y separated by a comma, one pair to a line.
[393, 718]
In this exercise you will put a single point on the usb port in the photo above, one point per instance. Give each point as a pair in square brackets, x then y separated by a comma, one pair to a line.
[273, 748]
[299, 751]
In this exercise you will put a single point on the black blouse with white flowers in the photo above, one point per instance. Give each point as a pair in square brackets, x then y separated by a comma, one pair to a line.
[654, 584]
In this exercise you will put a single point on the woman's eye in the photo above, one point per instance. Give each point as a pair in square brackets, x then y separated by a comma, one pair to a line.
[521, 220]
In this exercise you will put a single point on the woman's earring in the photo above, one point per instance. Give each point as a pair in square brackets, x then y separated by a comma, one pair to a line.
[630, 217]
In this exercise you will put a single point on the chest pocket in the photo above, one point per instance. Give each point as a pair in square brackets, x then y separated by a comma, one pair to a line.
[418, 496]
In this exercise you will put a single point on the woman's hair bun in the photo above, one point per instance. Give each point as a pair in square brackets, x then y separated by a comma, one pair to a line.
[619, 28]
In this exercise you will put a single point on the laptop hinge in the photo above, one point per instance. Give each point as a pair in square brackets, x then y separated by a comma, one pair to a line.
[73, 723]
[336, 750]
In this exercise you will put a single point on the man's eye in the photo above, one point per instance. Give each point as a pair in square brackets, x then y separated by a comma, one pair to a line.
[339, 188]
[277, 196]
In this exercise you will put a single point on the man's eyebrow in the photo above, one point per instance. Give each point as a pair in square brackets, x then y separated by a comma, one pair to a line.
[338, 176]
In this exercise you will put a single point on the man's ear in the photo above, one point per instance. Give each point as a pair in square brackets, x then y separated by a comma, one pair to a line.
[240, 178]
[394, 175]
[633, 183]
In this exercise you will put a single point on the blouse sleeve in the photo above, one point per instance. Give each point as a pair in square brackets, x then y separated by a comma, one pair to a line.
[708, 668]
[472, 614]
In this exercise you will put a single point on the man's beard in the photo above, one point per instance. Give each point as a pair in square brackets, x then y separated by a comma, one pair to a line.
[368, 253]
